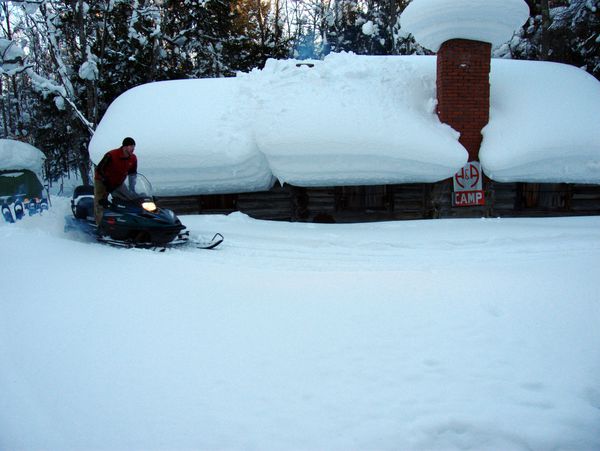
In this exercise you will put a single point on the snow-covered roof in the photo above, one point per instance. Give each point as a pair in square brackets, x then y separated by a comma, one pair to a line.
[18, 155]
[352, 120]
[544, 124]
[345, 121]
[192, 136]
[433, 22]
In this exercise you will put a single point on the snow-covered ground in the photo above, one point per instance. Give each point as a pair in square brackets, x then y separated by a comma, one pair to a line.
[418, 335]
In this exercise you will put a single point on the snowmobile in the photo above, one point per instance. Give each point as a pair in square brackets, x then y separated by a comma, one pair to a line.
[131, 218]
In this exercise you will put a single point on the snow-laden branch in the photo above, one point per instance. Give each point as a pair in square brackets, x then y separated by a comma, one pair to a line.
[12, 61]
[54, 49]
[143, 12]
[89, 68]
[47, 87]
[133, 34]
[12, 57]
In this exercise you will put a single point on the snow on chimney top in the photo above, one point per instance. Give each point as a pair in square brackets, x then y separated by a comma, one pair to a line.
[433, 22]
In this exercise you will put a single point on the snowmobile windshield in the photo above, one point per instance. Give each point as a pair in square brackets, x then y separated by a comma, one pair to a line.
[135, 187]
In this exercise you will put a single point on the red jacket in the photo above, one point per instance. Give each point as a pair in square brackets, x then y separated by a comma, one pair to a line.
[114, 168]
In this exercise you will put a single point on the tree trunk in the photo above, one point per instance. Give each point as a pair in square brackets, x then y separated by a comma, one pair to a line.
[277, 27]
[17, 102]
[91, 97]
[546, 22]
[4, 113]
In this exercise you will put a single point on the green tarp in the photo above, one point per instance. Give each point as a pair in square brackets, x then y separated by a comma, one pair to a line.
[19, 183]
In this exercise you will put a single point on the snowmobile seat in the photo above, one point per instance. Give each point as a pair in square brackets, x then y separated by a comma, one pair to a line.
[82, 203]
[83, 190]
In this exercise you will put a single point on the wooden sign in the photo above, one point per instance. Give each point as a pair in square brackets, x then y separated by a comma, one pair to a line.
[468, 186]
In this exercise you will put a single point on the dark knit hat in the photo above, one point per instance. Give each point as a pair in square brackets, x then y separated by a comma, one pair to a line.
[129, 142]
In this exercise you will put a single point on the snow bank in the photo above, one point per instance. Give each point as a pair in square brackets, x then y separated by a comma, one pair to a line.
[20, 155]
[543, 124]
[352, 120]
[190, 137]
[433, 22]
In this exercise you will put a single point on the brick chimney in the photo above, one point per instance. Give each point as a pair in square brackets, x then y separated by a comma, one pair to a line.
[463, 34]
[463, 89]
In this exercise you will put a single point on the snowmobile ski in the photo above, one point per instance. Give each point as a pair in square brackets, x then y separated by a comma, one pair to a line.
[181, 241]
[209, 244]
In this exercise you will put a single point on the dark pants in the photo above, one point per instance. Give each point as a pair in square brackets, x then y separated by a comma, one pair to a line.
[100, 194]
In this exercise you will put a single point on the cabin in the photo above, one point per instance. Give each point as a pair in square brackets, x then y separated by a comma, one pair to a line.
[370, 138]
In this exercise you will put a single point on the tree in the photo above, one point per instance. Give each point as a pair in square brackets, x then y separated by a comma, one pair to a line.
[259, 29]
[562, 31]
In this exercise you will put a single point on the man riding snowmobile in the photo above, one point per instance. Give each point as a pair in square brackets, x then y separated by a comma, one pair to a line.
[131, 218]
[111, 172]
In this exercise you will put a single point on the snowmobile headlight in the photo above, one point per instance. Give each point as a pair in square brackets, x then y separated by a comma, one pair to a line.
[149, 206]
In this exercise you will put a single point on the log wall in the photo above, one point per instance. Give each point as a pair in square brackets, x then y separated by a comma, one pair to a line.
[394, 202]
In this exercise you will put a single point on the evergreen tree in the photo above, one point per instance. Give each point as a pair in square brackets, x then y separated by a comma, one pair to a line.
[369, 28]
[200, 38]
[128, 46]
[259, 30]
[562, 31]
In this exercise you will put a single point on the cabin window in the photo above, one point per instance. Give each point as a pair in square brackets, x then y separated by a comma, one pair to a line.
[219, 202]
[546, 196]
[361, 198]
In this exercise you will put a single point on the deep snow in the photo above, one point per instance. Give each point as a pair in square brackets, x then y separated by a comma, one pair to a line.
[422, 335]
[352, 120]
